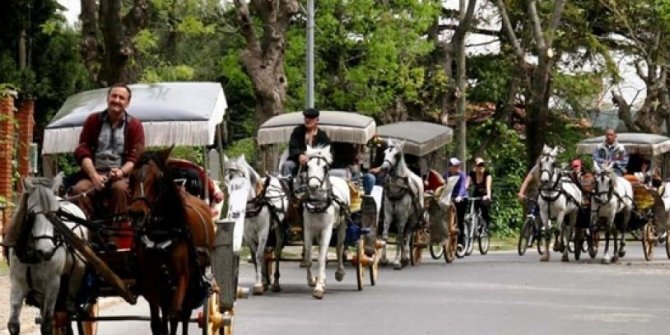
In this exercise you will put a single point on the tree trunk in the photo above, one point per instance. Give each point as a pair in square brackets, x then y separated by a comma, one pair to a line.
[537, 111]
[109, 61]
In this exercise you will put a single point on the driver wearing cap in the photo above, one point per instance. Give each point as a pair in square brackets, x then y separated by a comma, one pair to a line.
[302, 136]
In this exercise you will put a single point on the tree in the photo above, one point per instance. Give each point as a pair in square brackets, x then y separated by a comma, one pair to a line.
[108, 29]
[263, 55]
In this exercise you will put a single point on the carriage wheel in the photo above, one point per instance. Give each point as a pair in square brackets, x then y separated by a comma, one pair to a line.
[374, 269]
[360, 273]
[452, 235]
[593, 240]
[667, 243]
[415, 246]
[210, 317]
[648, 236]
[525, 236]
[227, 329]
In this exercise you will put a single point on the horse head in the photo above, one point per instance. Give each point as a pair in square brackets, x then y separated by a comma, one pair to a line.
[547, 164]
[149, 182]
[394, 160]
[605, 184]
[41, 201]
[318, 163]
[235, 170]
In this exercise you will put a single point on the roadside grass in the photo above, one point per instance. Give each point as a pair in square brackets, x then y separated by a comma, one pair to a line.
[4, 268]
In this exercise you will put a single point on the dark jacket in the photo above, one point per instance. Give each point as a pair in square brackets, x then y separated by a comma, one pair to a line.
[297, 146]
[88, 140]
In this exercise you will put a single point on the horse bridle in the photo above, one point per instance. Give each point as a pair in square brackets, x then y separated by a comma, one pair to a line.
[325, 174]
[31, 216]
[610, 191]
[142, 197]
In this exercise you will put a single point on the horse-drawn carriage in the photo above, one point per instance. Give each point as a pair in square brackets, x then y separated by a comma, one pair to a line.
[118, 248]
[419, 144]
[328, 193]
[651, 199]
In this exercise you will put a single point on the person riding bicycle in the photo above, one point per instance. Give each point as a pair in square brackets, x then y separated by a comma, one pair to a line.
[611, 151]
[459, 194]
[302, 136]
[482, 181]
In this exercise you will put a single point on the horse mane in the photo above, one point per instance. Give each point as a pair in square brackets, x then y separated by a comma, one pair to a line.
[319, 151]
[172, 203]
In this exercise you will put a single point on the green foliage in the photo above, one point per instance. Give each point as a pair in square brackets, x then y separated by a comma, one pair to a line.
[506, 164]
[244, 147]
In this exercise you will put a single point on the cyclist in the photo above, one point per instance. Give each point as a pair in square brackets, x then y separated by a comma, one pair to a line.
[529, 190]
[458, 194]
[481, 179]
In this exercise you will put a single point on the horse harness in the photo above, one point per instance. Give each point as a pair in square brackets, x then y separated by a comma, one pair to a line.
[320, 205]
[403, 187]
[559, 191]
[261, 200]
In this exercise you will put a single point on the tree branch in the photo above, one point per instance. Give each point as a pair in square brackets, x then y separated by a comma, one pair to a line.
[247, 28]
[536, 25]
[507, 25]
[559, 7]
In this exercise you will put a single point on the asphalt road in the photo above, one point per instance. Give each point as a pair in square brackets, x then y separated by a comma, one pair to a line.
[500, 293]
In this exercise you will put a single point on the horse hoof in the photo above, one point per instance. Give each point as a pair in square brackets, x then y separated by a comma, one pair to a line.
[565, 258]
[622, 253]
[311, 282]
[304, 264]
[397, 266]
[544, 258]
[605, 261]
[318, 294]
[258, 289]
[615, 259]
[276, 288]
[339, 275]
[384, 262]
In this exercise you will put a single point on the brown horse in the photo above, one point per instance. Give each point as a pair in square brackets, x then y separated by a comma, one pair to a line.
[173, 245]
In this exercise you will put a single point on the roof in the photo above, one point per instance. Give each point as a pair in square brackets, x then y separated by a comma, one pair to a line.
[180, 113]
[640, 143]
[421, 137]
[349, 127]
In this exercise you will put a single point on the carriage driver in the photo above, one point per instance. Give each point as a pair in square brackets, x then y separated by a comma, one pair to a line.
[109, 145]
[611, 151]
[303, 135]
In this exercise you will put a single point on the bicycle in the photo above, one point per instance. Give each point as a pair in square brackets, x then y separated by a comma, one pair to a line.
[530, 232]
[474, 227]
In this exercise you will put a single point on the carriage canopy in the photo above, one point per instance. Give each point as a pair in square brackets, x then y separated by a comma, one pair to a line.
[346, 127]
[421, 138]
[635, 143]
[180, 113]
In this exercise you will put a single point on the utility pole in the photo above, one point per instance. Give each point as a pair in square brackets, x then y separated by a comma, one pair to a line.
[310, 55]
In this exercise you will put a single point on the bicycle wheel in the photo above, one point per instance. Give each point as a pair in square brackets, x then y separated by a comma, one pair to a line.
[579, 241]
[470, 237]
[452, 235]
[525, 236]
[461, 252]
[484, 239]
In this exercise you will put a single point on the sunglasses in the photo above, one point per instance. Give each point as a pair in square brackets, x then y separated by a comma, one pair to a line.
[481, 165]
[576, 166]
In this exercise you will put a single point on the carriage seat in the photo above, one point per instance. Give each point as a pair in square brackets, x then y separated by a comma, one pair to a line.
[190, 175]
[343, 173]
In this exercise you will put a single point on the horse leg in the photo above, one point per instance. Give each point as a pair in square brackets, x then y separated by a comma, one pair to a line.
[608, 232]
[257, 259]
[624, 228]
[402, 243]
[49, 304]
[388, 218]
[18, 292]
[320, 287]
[279, 245]
[545, 233]
[566, 234]
[307, 255]
[261, 252]
[341, 236]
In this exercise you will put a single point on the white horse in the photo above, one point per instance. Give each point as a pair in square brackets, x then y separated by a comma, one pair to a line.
[559, 198]
[612, 195]
[39, 259]
[267, 203]
[403, 201]
[324, 204]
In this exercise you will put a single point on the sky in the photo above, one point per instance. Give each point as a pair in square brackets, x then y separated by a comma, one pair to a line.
[73, 9]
